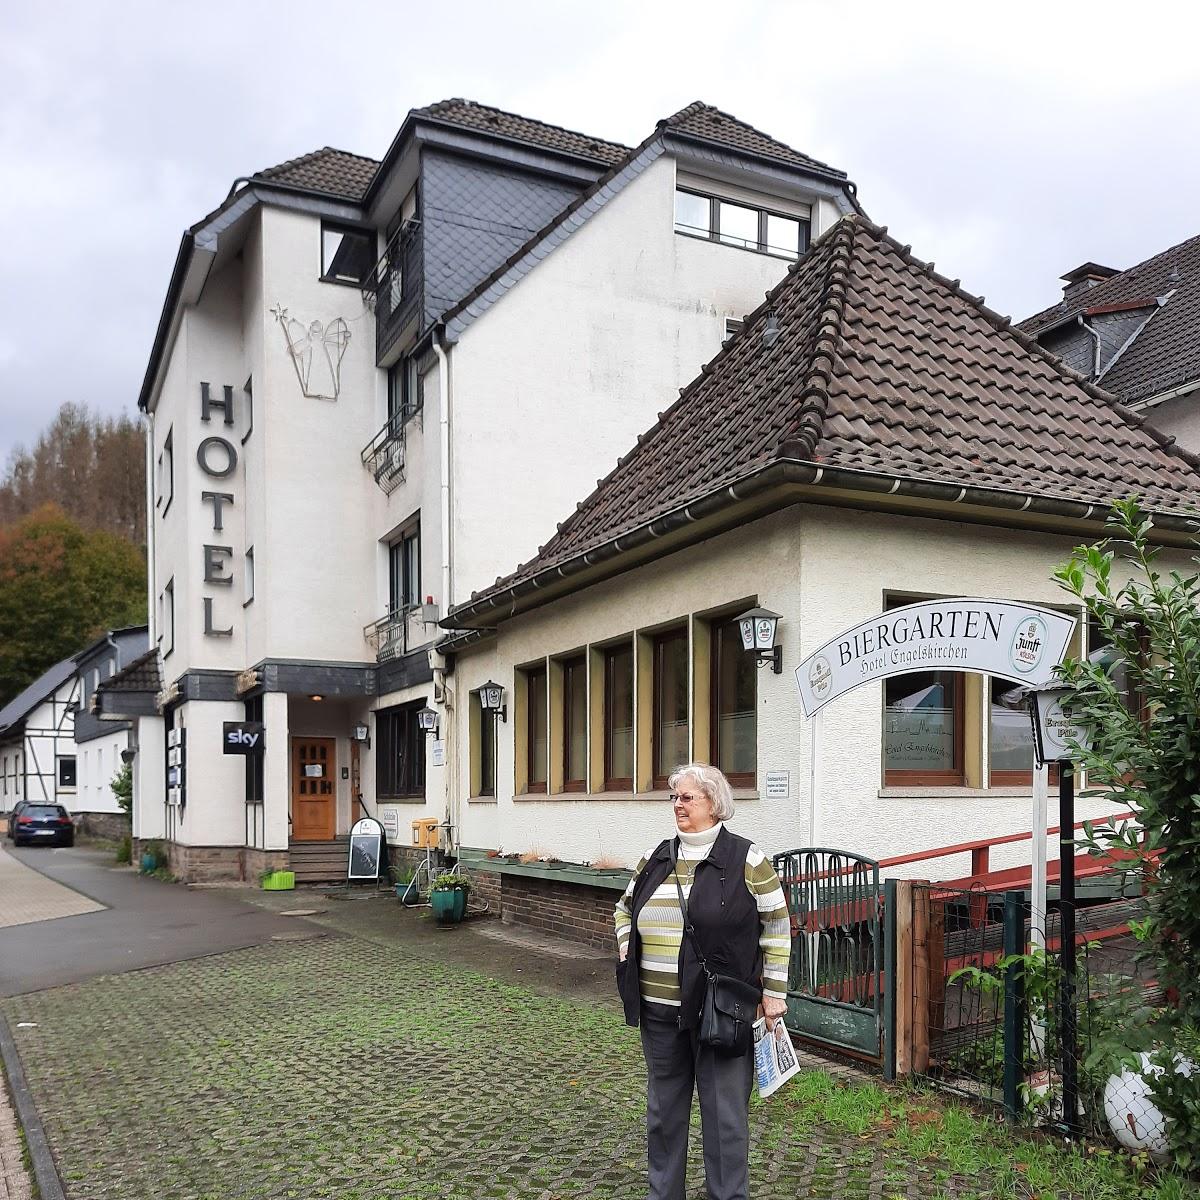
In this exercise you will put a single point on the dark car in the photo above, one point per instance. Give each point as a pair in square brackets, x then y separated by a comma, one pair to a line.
[11, 827]
[42, 824]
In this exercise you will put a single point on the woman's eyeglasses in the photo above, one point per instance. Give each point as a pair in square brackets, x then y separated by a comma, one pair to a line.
[685, 798]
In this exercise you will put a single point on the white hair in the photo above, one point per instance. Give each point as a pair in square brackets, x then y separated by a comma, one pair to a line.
[711, 782]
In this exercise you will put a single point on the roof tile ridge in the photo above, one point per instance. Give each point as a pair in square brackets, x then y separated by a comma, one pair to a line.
[814, 399]
[347, 153]
[1004, 325]
[770, 137]
[290, 162]
[440, 106]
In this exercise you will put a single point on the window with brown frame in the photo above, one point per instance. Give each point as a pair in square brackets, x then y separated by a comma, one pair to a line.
[574, 728]
[733, 723]
[670, 731]
[923, 729]
[618, 718]
[536, 728]
[486, 723]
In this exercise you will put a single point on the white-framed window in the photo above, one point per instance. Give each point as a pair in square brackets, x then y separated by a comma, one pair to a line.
[347, 253]
[66, 772]
[248, 577]
[166, 618]
[166, 473]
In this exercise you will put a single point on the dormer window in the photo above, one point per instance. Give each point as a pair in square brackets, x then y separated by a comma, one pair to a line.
[347, 253]
[735, 223]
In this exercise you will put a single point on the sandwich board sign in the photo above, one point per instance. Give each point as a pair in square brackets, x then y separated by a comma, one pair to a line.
[366, 850]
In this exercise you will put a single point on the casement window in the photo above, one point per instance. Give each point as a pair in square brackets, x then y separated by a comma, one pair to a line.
[399, 753]
[406, 391]
[255, 780]
[669, 736]
[733, 725]
[536, 728]
[248, 578]
[483, 749]
[574, 724]
[923, 729]
[347, 253]
[166, 618]
[743, 225]
[404, 569]
[249, 390]
[166, 473]
[618, 718]
[66, 772]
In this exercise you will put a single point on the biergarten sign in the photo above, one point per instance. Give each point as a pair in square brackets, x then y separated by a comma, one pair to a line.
[1019, 642]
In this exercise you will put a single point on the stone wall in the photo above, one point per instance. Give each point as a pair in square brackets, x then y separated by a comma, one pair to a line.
[110, 826]
[212, 864]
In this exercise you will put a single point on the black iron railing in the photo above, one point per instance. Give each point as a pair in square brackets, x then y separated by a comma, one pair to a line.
[397, 633]
[393, 287]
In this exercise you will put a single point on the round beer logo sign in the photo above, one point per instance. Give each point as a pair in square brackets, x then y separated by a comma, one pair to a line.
[820, 676]
[1028, 644]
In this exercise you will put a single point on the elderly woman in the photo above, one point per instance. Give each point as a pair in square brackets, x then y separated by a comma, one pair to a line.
[740, 920]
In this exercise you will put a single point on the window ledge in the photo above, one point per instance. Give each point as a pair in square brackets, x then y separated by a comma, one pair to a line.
[933, 789]
[739, 794]
[481, 799]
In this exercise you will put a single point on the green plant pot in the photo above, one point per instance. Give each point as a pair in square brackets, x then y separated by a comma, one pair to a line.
[149, 864]
[445, 905]
[279, 881]
[460, 904]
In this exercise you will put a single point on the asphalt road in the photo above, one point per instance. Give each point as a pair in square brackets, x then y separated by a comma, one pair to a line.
[145, 923]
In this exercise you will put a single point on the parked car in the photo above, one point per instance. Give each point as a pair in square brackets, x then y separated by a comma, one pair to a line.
[43, 824]
[11, 826]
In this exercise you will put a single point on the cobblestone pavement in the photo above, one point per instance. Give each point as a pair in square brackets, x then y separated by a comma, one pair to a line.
[357, 1066]
[15, 1183]
[27, 896]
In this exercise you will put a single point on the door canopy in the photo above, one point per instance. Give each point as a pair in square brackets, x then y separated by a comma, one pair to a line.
[1018, 642]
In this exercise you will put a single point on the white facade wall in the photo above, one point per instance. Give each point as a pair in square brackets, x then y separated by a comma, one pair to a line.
[33, 760]
[96, 762]
[823, 569]
[559, 377]
[1178, 418]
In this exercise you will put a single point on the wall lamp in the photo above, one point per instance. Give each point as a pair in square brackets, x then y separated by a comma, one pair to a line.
[757, 627]
[491, 700]
[427, 719]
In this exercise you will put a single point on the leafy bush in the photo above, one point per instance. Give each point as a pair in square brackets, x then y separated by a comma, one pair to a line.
[125, 850]
[122, 788]
[1145, 754]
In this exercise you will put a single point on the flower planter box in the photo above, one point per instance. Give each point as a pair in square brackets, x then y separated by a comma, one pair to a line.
[279, 881]
[561, 872]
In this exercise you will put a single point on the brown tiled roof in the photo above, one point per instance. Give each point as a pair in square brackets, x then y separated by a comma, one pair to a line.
[712, 125]
[336, 172]
[144, 674]
[1166, 352]
[496, 121]
[882, 366]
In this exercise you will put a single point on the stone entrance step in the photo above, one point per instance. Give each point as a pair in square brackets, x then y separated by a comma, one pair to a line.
[319, 862]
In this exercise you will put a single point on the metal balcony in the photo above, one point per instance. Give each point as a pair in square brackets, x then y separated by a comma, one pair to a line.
[399, 632]
[383, 455]
[393, 288]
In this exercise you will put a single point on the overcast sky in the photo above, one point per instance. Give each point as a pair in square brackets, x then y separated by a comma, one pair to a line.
[1006, 143]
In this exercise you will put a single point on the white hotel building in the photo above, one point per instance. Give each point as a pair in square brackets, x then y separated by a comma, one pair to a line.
[375, 388]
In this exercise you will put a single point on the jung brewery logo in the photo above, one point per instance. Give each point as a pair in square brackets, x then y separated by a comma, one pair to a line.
[1028, 645]
[820, 676]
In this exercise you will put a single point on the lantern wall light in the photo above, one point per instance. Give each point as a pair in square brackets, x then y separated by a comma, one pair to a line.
[491, 700]
[757, 627]
[427, 719]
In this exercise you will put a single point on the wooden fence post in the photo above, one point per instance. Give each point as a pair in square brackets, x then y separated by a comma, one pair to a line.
[920, 975]
[902, 983]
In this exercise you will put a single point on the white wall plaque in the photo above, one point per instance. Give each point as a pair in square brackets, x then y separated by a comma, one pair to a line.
[778, 785]
[439, 754]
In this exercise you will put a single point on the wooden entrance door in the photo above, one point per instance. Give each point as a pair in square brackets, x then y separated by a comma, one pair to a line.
[314, 790]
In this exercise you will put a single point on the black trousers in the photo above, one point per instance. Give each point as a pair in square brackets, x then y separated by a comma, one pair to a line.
[676, 1066]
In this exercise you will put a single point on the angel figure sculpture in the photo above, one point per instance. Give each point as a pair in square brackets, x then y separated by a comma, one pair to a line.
[316, 351]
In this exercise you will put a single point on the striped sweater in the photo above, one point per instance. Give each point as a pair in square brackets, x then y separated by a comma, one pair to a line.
[660, 923]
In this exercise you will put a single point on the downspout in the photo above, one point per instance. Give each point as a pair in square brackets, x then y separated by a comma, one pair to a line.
[1096, 337]
[450, 759]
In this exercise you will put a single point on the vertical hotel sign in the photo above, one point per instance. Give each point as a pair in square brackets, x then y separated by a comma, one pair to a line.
[217, 458]
[1018, 642]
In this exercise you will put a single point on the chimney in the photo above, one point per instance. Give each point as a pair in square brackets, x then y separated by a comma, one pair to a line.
[1078, 281]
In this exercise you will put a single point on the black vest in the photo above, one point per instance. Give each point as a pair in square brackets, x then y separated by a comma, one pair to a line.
[725, 916]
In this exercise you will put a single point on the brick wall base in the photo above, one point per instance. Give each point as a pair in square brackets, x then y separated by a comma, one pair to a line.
[107, 825]
[568, 910]
[215, 864]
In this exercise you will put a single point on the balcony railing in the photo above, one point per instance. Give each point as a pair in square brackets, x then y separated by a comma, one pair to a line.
[393, 287]
[399, 632]
[383, 455]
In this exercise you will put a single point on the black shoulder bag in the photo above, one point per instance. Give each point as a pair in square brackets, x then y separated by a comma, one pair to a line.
[730, 1006]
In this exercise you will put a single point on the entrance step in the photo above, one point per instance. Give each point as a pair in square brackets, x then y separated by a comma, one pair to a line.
[319, 862]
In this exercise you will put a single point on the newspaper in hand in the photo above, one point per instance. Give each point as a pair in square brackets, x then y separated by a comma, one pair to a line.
[774, 1058]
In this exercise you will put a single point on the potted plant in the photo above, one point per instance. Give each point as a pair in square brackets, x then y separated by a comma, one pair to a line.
[152, 858]
[402, 881]
[448, 897]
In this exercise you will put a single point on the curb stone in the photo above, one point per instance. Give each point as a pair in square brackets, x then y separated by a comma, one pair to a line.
[44, 1170]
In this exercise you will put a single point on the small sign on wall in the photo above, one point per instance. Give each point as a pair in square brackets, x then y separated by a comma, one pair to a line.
[390, 820]
[778, 785]
[439, 754]
[314, 770]
[243, 737]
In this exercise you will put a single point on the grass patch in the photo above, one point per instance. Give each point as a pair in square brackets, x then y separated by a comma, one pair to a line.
[965, 1149]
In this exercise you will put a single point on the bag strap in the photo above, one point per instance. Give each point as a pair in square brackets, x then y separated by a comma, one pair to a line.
[688, 927]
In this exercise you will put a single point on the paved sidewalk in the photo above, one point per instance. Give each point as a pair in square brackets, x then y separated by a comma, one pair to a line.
[27, 896]
[15, 1183]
